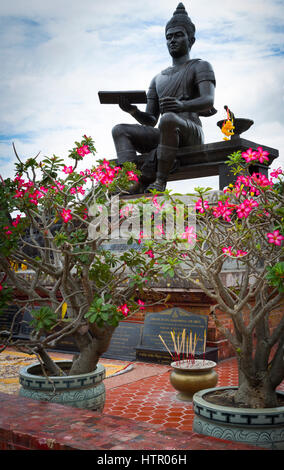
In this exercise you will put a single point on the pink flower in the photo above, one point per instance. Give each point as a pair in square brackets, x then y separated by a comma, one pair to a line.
[80, 190]
[260, 179]
[43, 189]
[1, 287]
[123, 309]
[157, 205]
[131, 176]
[249, 155]
[73, 190]
[150, 253]
[80, 151]
[244, 209]
[140, 237]
[18, 194]
[276, 173]
[189, 235]
[275, 237]
[66, 215]
[262, 155]
[33, 198]
[85, 149]
[201, 205]
[227, 251]
[223, 210]
[68, 170]
[59, 185]
[160, 230]
[16, 221]
[241, 253]
[125, 211]
[20, 180]
[141, 303]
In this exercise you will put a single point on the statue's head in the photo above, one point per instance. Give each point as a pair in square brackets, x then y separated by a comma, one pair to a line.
[181, 20]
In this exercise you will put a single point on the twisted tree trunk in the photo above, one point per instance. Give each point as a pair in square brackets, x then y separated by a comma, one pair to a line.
[92, 344]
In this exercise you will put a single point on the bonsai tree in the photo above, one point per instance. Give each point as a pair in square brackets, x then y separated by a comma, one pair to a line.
[55, 221]
[244, 224]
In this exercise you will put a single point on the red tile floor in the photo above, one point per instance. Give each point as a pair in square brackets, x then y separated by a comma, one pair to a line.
[146, 394]
[142, 396]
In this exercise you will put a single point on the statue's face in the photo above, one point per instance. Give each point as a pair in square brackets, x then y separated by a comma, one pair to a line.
[177, 41]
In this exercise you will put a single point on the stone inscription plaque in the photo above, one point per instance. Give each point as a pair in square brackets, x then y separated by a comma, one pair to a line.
[162, 323]
[124, 341]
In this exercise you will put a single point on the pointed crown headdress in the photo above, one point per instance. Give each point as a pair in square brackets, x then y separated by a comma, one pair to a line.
[181, 18]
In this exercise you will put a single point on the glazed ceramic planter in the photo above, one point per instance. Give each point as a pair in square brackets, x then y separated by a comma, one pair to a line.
[259, 427]
[188, 378]
[81, 391]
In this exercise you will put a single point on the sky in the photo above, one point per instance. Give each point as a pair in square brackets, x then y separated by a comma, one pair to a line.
[57, 55]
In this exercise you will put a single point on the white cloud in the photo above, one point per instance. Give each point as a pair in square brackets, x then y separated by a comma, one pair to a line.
[59, 54]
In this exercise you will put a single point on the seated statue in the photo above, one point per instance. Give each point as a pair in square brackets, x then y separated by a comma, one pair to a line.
[178, 96]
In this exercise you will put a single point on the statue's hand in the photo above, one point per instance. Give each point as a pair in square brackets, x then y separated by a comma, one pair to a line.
[126, 106]
[169, 104]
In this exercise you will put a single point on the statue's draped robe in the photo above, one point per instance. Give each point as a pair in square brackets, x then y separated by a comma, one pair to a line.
[181, 83]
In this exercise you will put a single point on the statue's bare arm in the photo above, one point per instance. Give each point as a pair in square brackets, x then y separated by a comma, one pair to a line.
[149, 117]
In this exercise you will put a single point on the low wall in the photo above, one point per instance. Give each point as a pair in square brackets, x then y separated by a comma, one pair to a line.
[26, 424]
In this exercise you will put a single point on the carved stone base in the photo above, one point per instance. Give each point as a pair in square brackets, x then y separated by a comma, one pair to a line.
[260, 427]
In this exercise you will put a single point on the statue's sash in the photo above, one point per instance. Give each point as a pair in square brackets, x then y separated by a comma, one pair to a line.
[177, 85]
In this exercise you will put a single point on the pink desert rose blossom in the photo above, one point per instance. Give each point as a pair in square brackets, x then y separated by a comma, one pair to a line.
[262, 155]
[150, 253]
[85, 149]
[123, 309]
[227, 250]
[201, 205]
[131, 176]
[275, 237]
[241, 253]
[189, 235]
[82, 151]
[66, 215]
[141, 304]
[68, 170]
[249, 155]
[276, 173]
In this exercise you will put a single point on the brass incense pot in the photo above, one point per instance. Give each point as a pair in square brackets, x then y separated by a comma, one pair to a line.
[188, 377]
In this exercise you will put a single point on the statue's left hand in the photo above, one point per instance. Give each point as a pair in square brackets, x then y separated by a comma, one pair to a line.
[169, 104]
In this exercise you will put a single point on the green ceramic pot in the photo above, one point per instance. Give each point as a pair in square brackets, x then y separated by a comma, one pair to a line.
[81, 391]
[263, 427]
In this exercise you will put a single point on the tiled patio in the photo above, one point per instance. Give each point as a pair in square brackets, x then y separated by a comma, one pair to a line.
[141, 412]
[152, 399]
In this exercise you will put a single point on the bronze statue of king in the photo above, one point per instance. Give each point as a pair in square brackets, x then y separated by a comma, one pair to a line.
[176, 99]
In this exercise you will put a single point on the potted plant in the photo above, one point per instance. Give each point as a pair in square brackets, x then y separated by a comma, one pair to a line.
[55, 220]
[242, 225]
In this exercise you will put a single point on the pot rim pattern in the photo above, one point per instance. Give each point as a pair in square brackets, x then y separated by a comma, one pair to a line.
[34, 381]
[199, 400]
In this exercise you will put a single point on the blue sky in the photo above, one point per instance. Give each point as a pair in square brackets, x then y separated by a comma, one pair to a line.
[58, 54]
